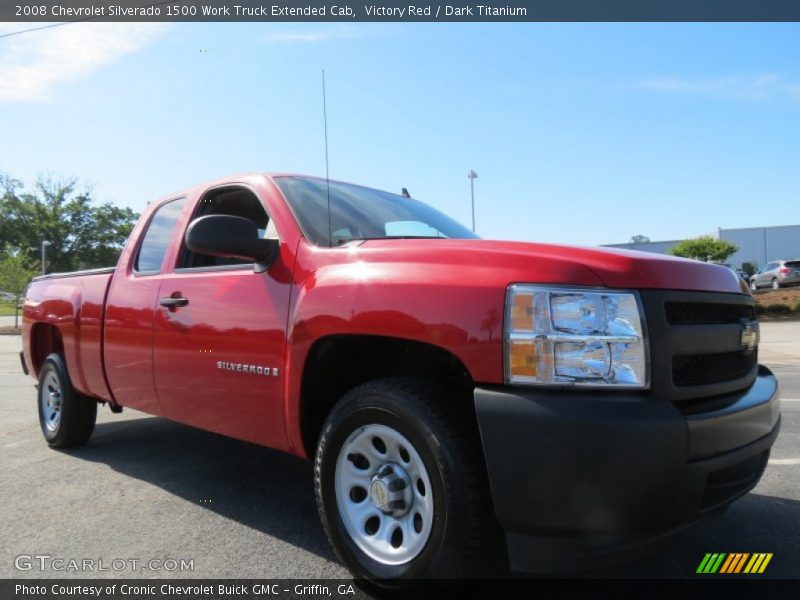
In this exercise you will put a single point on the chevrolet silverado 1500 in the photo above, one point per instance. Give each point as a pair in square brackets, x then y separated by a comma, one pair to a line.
[455, 393]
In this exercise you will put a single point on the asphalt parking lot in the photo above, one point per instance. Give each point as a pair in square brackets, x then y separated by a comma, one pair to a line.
[146, 488]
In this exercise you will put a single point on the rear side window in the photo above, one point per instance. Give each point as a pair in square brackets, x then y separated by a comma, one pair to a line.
[793, 264]
[156, 238]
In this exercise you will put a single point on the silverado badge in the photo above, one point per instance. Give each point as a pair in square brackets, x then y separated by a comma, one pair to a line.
[242, 368]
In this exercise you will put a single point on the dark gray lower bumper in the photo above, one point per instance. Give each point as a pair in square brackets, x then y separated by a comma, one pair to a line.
[575, 474]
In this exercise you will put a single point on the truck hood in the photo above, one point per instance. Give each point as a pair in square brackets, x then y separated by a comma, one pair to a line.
[543, 263]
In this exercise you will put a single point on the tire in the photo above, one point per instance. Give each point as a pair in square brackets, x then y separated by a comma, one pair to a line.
[753, 285]
[450, 512]
[776, 285]
[66, 417]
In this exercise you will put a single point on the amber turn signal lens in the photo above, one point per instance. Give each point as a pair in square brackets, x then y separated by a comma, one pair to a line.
[522, 312]
[522, 359]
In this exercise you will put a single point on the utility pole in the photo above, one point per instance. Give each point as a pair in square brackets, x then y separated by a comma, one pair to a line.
[45, 244]
[472, 175]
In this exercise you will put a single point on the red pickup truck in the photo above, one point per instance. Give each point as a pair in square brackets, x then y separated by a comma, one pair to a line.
[455, 393]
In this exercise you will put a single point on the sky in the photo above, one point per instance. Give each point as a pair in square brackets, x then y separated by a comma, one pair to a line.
[580, 133]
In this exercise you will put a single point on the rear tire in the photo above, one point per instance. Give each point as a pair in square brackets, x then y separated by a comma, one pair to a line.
[753, 285]
[446, 523]
[776, 285]
[67, 418]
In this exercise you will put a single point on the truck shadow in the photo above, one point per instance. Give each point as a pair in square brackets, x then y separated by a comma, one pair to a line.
[264, 489]
[754, 523]
[272, 492]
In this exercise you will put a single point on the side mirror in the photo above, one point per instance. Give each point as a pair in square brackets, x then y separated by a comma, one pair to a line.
[231, 237]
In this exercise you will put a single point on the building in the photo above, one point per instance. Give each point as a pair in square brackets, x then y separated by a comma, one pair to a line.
[757, 245]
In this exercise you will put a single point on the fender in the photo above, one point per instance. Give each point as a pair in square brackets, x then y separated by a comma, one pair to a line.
[452, 300]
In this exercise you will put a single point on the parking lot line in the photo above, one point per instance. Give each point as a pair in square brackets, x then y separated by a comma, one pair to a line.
[785, 461]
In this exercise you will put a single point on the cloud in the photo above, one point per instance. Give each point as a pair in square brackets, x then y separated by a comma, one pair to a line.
[319, 36]
[33, 65]
[313, 36]
[739, 87]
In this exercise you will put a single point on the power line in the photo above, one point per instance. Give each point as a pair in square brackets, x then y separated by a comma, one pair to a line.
[21, 31]
[52, 25]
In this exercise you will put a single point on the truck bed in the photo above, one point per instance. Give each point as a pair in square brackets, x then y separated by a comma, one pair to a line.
[67, 310]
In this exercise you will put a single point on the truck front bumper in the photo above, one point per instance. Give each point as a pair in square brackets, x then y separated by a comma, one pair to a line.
[577, 476]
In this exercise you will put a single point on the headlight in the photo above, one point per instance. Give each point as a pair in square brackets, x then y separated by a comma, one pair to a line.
[575, 337]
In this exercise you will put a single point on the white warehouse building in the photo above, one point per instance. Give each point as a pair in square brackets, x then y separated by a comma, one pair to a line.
[757, 245]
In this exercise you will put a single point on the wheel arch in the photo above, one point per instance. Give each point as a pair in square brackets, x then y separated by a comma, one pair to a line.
[45, 339]
[336, 364]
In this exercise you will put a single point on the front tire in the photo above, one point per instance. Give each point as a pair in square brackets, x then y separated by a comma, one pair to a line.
[401, 485]
[67, 418]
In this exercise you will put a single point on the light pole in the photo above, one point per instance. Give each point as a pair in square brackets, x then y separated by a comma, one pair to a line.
[472, 175]
[45, 244]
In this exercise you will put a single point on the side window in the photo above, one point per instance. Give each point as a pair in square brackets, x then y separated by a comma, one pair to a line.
[156, 238]
[232, 201]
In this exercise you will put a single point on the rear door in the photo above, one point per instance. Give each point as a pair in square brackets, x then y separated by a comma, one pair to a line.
[761, 274]
[130, 309]
[220, 333]
[770, 273]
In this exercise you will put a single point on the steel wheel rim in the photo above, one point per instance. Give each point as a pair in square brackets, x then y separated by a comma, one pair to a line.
[50, 398]
[373, 526]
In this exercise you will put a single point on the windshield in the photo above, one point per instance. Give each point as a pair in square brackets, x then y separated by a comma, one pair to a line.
[359, 213]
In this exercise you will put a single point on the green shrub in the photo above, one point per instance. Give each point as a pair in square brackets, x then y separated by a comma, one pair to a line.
[778, 309]
[760, 310]
[797, 307]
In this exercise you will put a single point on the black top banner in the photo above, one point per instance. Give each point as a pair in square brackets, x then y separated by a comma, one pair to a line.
[350, 11]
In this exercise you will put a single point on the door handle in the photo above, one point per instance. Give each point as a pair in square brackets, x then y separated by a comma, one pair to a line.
[173, 302]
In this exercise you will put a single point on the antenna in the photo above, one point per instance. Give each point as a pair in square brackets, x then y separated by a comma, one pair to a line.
[327, 171]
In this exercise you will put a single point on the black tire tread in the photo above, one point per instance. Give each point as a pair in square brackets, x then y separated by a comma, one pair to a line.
[78, 412]
[456, 420]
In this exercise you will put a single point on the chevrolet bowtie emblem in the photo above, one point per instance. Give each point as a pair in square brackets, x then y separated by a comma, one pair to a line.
[749, 339]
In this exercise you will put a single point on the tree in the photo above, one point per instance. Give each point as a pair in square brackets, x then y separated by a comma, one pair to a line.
[640, 239]
[82, 233]
[15, 273]
[704, 248]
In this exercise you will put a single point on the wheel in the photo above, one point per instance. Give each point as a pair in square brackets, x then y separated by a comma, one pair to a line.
[67, 418]
[776, 284]
[753, 285]
[401, 485]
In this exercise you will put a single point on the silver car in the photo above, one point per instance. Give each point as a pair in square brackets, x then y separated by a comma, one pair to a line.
[776, 274]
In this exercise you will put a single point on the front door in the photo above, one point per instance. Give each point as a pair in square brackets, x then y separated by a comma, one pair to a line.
[220, 335]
